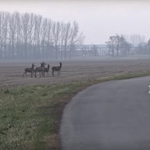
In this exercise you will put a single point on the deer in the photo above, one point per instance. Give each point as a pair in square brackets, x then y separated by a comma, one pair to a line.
[47, 69]
[40, 69]
[56, 68]
[30, 70]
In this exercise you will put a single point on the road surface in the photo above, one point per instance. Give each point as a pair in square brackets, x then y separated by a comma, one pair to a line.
[113, 115]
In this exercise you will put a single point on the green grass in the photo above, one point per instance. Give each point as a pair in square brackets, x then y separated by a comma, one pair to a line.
[30, 116]
[25, 115]
[125, 76]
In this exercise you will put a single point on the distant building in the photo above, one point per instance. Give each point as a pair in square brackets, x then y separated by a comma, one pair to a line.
[88, 50]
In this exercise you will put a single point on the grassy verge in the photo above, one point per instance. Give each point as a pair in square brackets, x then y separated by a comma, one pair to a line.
[30, 116]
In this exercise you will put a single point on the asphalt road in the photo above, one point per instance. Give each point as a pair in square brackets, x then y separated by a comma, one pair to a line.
[114, 115]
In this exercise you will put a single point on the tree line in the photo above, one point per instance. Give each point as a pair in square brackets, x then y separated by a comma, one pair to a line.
[121, 45]
[117, 45]
[31, 36]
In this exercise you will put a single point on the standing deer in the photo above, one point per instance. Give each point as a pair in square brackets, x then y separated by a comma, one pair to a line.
[47, 69]
[40, 69]
[56, 68]
[30, 70]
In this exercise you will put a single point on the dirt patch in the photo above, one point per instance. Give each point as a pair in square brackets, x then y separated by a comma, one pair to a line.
[11, 73]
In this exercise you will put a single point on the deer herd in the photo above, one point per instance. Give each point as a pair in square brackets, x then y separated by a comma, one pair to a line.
[42, 70]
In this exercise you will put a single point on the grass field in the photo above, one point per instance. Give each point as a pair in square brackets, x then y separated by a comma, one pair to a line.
[29, 116]
[31, 109]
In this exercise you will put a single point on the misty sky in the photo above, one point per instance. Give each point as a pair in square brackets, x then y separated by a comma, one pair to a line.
[97, 19]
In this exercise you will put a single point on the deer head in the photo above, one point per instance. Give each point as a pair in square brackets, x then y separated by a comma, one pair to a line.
[33, 65]
[60, 64]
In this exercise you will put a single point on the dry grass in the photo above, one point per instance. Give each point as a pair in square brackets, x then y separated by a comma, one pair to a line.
[11, 73]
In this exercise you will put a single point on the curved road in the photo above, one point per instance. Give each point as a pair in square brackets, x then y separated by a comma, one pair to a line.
[113, 115]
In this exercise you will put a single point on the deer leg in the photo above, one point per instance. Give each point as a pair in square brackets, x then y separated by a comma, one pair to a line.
[40, 74]
[31, 74]
[35, 74]
[23, 74]
[53, 73]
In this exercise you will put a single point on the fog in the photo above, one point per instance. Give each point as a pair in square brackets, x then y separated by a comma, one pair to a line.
[98, 20]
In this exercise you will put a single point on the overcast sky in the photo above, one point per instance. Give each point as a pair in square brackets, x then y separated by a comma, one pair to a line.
[97, 19]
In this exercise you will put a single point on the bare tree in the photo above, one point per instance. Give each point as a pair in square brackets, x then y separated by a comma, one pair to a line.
[12, 35]
[56, 30]
[18, 35]
[67, 29]
[76, 38]
[43, 37]
[111, 45]
[26, 22]
[49, 39]
[118, 45]
[136, 39]
[32, 36]
[4, 34]
[37, 31]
